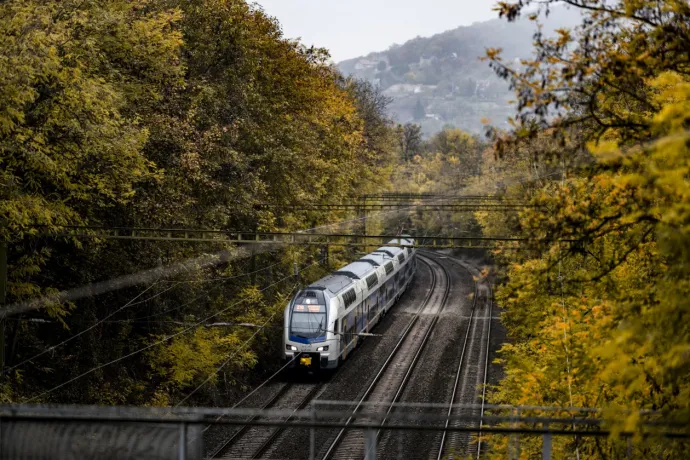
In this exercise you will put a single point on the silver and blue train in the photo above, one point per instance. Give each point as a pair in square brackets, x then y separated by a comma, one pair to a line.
[324, 321]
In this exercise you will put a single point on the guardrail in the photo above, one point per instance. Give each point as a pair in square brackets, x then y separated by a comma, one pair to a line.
[90, 432]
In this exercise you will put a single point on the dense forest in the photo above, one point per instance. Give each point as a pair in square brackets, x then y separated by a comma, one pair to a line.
[190, 114]
[174, 114]
[596, 306]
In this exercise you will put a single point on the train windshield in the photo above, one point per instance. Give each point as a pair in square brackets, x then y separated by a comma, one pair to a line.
[308, 320]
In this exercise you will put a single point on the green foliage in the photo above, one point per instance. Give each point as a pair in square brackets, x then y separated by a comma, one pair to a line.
[602, 322]
[165, 113]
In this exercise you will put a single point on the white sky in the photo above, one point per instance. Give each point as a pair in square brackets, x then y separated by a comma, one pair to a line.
[351, 28]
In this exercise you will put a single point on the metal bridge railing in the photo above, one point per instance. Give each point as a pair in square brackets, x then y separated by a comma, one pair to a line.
[89, 432]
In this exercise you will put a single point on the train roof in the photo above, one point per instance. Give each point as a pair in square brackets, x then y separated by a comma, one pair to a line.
[334, 283]
[359, 269]
[377, 258]
[391, 251]
[404, 240]
[356, 270]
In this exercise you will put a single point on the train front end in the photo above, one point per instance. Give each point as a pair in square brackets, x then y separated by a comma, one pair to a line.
[309, 342]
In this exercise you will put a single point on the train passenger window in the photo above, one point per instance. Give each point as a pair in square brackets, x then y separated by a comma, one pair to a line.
[349, 297]
[372, 280]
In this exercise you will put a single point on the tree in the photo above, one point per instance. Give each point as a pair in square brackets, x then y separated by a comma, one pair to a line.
[603, 111]
[409, 140]
[163, 113]
[462, 147]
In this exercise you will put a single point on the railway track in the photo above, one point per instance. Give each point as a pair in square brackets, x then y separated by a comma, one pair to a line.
[396, 370]
[254, 441]
[472, 371]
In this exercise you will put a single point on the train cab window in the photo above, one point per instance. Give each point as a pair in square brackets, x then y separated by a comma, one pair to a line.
[308, 320]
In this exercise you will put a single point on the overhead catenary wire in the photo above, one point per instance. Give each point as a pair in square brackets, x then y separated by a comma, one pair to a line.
[147, 276]
[227, 361]
[176, 308]
[158, 342]
[131, 303]
[226, 278]
[102, 320]
[214, 288]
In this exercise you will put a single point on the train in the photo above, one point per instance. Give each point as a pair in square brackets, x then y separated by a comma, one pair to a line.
[325, 321]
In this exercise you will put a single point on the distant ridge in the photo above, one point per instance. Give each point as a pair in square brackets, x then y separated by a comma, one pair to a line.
[439, 80]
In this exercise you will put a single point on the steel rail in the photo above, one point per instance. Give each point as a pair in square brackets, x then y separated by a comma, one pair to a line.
[403, 383]
[486, 361]
[486, 368]
[385, 365]
[413, 364]
[460, 365]
[219, 451]
[274, 435]
[278, 427]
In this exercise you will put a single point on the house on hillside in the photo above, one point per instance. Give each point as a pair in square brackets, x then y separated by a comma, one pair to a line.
[366, 64]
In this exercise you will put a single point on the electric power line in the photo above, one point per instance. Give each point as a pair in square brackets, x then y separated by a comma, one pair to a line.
[69, 339]
[159, 342]
[227, 361]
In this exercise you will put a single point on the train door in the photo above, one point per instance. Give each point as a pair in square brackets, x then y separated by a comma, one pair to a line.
[361, 317]
[372, 309]
[375, 305]
[352, 328]
[340, 330]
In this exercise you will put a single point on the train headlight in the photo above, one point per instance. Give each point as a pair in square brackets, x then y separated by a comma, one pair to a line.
[291, 347]
[322, 348]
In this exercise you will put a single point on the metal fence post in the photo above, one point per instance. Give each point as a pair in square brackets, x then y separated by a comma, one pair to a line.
[183, 441]
[312, 434]
[3, 292]
[370, 445]
[546, 446]
[517, 436]
[513, 451]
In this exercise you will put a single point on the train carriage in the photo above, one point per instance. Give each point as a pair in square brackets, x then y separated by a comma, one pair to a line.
[325, 320]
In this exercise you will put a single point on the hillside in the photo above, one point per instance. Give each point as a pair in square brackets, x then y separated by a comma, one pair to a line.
[443, 74]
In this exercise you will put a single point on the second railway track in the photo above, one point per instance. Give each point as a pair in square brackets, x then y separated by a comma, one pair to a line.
[398, 374]
[390, 381]
[471, 372]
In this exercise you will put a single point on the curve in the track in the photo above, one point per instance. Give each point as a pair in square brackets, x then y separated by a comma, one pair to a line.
[391, 380]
